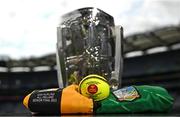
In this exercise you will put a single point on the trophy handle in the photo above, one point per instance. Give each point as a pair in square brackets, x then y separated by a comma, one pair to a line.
[118, 55]
[58, 59]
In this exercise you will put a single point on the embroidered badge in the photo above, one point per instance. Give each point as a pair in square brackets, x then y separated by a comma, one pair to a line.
[126, 94]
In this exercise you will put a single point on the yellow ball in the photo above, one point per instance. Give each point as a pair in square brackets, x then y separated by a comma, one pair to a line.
[95, 87]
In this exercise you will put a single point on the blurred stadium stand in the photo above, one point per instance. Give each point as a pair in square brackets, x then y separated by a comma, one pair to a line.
[151, 58]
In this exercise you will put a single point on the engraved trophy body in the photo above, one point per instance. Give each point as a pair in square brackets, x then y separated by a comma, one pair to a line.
[89, 43]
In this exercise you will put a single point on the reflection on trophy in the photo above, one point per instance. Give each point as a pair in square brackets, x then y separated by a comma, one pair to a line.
[88, 43]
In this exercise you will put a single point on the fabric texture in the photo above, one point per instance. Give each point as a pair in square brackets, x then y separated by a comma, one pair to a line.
[149, 99]
[132, 99]
[58, 101]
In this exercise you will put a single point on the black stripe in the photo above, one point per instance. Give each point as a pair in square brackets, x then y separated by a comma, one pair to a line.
[96, 105]
[45, 102]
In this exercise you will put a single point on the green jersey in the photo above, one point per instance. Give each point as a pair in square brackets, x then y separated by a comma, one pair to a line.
[136, 99]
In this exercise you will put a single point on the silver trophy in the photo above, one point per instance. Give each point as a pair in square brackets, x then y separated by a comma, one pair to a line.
[89, 43]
